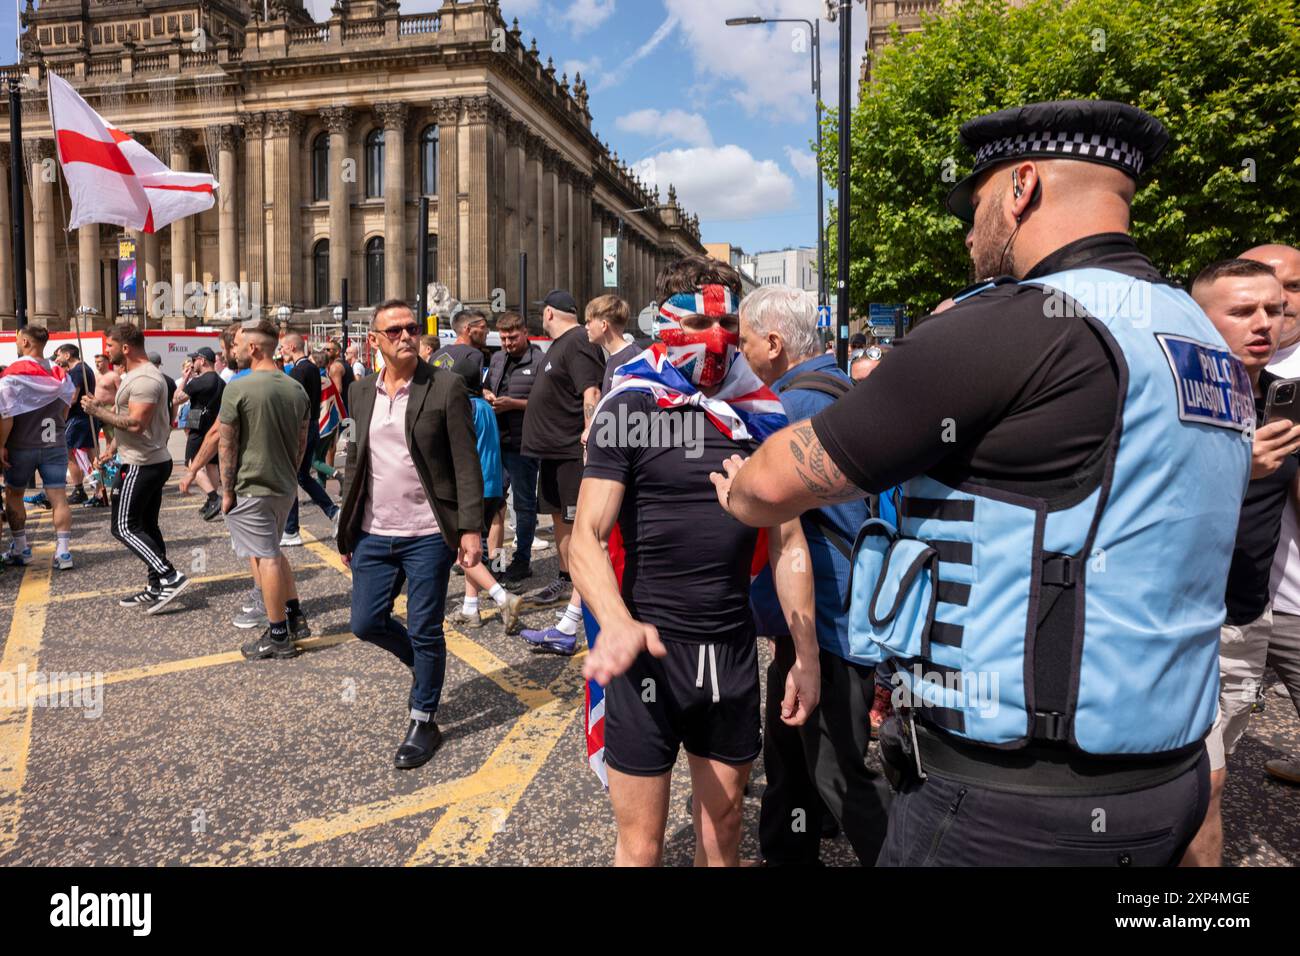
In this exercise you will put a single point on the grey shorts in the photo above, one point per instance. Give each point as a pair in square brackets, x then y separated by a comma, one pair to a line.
[256, 525]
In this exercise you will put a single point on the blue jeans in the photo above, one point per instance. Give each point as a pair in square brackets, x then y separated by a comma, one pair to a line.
[378, 566]
[523, 480]
[308, 483]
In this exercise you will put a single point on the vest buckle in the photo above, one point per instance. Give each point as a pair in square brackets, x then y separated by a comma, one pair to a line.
[1059, 571]
[1051, 726]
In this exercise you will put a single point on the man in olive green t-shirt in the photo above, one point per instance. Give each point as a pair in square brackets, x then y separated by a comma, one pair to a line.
[264, 418]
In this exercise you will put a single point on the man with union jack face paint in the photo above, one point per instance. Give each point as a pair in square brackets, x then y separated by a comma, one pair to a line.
[676, 645]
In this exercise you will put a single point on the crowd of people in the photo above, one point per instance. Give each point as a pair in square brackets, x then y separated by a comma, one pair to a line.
[1043, 557]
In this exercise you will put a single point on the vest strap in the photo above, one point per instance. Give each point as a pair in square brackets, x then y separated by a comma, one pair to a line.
[941, 632]
[1051, 726]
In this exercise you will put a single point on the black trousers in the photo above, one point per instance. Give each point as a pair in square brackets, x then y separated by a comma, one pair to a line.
[940, 821]
[820, 767]
[134, 516]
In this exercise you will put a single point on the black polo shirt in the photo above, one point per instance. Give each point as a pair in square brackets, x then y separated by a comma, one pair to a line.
[511, 377]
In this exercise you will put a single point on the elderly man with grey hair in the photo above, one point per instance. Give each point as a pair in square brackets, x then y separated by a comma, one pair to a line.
[821, 765]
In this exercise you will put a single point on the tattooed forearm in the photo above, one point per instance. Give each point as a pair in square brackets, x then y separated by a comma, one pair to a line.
[229, 456]
[819, 474]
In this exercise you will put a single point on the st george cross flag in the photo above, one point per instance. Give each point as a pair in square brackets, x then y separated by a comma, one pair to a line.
[28, 385]
[111, 177]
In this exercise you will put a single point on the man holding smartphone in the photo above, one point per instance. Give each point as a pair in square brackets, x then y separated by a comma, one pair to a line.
[1243, 298]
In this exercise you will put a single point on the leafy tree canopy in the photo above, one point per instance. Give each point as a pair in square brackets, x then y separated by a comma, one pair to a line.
[1222, 75]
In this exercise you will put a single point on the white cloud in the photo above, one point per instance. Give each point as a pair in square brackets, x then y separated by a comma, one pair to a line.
[583, 16]
[767, 69]
[673, 125]
[590, 68]
[803, 161]
[720, 182]
[615, 76]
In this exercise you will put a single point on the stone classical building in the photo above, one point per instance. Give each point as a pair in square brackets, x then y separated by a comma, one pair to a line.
[324, 137]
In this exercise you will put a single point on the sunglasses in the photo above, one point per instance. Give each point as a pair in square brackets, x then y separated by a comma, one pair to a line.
[395, 333]
[875, 353]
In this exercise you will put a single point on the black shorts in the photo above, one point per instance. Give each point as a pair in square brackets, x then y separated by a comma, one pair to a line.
[491, 508]
[79, 433]
[663, 703]
[193, 442]
[557, 487]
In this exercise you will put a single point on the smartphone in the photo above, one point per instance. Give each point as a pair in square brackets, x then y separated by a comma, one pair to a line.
[1283, 402]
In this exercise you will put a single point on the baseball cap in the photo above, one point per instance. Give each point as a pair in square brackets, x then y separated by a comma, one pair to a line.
[560, 301]
[155, 358]
[206, 353]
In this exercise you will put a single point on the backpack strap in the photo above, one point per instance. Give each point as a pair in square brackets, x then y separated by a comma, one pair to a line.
[823, 382]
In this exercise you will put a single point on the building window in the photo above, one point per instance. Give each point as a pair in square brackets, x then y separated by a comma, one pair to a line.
[375, 271]
[429, 161]
[320, 265]
[375, 164]
[320, 167]
[431, 259]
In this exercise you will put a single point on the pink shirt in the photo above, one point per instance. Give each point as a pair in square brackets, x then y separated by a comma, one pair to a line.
[396, 506]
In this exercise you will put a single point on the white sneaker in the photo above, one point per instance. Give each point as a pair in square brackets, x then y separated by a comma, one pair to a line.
[291, 540]
[63, 562]
[540, 544]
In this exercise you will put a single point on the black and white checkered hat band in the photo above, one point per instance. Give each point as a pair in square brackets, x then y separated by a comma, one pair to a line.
[1093, 146]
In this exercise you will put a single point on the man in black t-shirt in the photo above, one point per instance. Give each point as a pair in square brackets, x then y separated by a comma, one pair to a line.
[677, 649]
[202, 388]
[465, 355]
[156, 359]
[307, 374]
[1243, 299]
[81, 431]
[559, 409]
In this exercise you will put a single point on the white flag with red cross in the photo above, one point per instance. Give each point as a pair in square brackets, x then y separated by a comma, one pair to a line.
[111, 177]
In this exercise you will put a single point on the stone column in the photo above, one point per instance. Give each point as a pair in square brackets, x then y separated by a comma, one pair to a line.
[596, 251]
[513, 227]
[338, 120]
[549, 219]
[535, 223]
[564, 200]
[255, 210]
[393, 116]
[182, 230]
[447, 113]
[481, 113]
[88, 269]
[227, 218]
[284, 127]
[7, 301]
[42, 309]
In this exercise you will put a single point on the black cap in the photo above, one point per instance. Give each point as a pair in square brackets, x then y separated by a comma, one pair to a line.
[1092, 131]
[207, 354]
[560, 301]
[155, 358]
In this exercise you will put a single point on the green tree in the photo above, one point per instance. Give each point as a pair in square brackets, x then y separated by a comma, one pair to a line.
[1222, 75]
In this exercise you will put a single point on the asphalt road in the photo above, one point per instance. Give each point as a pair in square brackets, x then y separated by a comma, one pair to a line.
[190, 755]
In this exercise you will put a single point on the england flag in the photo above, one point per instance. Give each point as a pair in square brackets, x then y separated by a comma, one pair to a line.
[111, 177]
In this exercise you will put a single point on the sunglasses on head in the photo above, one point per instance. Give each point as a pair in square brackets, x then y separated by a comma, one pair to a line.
[395, 333]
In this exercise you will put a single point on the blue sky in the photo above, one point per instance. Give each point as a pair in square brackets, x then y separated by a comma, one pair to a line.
[724, 113]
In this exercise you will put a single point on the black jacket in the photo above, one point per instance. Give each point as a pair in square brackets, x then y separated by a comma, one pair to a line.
[440, 436]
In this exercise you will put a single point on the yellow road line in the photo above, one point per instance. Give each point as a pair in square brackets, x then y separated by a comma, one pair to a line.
[465, 831]
[187, 664]
[208, 579]
[22, 649]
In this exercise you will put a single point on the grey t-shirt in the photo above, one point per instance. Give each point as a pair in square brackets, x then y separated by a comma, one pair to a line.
[144, 385]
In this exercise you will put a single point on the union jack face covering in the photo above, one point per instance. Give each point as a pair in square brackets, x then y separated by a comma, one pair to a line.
[703, 358]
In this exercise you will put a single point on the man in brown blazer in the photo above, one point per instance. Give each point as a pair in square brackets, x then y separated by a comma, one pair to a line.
[413, 493]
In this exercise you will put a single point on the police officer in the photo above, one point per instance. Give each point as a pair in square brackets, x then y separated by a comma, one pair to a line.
[1069, 437]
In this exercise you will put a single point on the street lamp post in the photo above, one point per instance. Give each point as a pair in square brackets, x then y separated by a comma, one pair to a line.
[815, 27]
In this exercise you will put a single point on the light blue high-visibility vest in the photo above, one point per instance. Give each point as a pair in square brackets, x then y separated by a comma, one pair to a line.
[955, 595]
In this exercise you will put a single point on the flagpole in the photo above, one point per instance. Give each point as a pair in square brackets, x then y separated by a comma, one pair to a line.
[16, 211]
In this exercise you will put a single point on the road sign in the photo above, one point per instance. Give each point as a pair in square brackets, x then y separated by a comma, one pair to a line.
[884, 317]
[823, 317]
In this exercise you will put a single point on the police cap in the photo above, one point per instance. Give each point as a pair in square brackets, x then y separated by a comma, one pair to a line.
[1092, 131]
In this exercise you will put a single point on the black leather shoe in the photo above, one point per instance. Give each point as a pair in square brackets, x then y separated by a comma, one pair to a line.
[422, 738]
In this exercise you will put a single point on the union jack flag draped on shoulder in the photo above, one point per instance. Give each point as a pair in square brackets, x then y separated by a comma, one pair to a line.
[742, 409]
